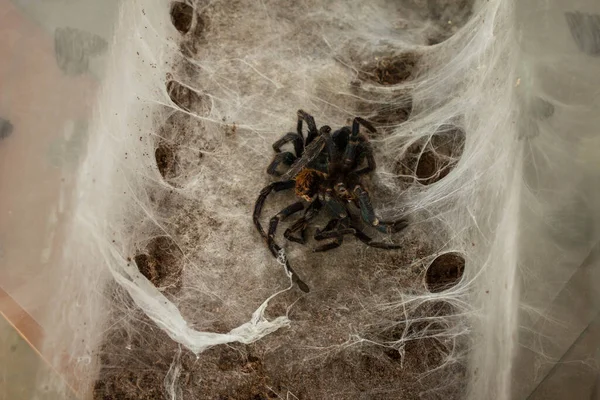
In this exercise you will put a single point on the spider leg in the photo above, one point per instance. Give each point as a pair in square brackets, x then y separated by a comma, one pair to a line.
[350, 153]
[260, 201]
[337, 242]
[281, 215]
[295, 278]
[368, 214]
[274, 248]
[331, 225]
[330, 230]
[336, 229]
[340, 137]
[285, 158]
[360, 121]
[300, 225]
[313, 132]
[369, 241]
[297, 139]
[365, 150]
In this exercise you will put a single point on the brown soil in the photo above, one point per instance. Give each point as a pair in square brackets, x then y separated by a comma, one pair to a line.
[431, 159]
[308, 360]
[268, 370]
[181, 16]
[444, 272]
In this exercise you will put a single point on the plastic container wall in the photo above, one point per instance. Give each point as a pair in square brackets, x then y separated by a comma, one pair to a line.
[560, 225]
[51, 69]
[52, 58]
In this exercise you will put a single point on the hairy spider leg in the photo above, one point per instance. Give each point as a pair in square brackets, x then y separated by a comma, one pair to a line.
[354, 141]
[313, 132]
[369, 241]
[282, 215]
[300, 225]
[286, 158]
[335, 229]
[365, 150]
[274, 248]
[338, 209]
[368, 214]
[337, 242]
[297, 139]
[345, 227]
[341, 136]
[260, 201]
[295, 278]
[331, 225]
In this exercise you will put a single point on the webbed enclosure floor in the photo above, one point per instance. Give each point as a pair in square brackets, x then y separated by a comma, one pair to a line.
[351, 337]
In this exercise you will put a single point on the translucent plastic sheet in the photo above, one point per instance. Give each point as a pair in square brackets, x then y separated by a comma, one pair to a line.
[51, 63]
[125, 151]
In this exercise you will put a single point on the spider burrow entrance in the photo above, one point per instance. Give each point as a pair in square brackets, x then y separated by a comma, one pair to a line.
[444, 272]
[161, 262]
[182, 15]
[431, 158]
[182, 147]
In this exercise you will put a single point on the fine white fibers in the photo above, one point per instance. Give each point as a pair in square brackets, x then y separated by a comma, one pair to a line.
[182, 138]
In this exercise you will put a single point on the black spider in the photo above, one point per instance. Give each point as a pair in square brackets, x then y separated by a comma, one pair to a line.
[325, 171]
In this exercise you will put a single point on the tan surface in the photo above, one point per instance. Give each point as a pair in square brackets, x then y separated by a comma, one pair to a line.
[37, 166]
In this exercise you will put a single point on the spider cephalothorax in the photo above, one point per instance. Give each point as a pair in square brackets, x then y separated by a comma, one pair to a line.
[325, 171]
[308, 182]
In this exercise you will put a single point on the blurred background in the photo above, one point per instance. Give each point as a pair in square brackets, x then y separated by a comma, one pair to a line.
[52, 56]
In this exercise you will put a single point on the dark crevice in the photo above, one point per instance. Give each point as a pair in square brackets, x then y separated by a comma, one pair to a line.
[444, 272]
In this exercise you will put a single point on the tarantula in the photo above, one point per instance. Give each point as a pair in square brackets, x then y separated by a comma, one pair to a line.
[325, 171]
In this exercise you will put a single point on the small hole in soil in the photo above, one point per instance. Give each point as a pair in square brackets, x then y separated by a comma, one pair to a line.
[181, 16]
[184, 97]
[161, 263]
[196, 37]
[429, 160]
[391, 70]
[181, 147]
[166, 160]
[444, 272]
